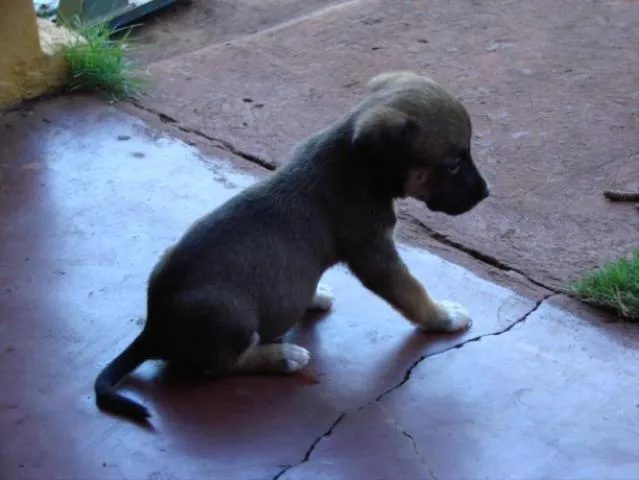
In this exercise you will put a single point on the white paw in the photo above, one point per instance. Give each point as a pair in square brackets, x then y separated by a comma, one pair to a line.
[455, 318]
[323, 298]
[295, 357]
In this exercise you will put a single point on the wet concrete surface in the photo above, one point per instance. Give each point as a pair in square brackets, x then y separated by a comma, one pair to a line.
[512, 406]
[552, 97]
[90, 197]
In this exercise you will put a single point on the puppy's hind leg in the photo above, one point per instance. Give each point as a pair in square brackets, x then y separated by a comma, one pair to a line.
[215, 328]
[272, 358]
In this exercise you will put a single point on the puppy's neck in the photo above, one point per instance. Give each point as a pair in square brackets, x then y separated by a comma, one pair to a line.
[327, 147]
[329, 156]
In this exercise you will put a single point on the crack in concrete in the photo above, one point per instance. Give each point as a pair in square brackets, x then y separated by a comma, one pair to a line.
[401, 383]
[482, 257]
[418, 454]
[309, 452]
[223, 144]
[478, 338]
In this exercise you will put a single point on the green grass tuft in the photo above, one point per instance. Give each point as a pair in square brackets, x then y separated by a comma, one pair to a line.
[100, 64]
[614, 285]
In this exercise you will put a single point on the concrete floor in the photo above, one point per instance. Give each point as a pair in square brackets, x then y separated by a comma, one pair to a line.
[89, 198]
[551, 86]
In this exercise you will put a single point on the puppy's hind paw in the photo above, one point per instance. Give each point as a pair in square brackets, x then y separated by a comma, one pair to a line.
[453, 317]
[294, 357]
[273, 358]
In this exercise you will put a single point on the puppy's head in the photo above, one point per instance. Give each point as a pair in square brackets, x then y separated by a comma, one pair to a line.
[414, 137]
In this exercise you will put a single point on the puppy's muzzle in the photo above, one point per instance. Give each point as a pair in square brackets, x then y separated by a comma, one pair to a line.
[459, 201]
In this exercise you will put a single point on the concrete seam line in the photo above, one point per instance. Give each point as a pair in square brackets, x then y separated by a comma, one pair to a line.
[327, 433]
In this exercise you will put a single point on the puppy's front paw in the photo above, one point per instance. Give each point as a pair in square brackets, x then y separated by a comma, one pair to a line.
[294, 357]
[323, 298]
[452, 317]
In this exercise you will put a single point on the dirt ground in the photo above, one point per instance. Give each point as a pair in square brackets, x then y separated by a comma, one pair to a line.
[552, 89]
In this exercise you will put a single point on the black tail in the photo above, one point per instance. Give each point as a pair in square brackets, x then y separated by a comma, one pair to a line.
[107, 398]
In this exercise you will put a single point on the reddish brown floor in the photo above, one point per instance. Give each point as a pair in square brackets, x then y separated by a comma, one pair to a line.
[188, 25]
[89, 198]
[551, 85]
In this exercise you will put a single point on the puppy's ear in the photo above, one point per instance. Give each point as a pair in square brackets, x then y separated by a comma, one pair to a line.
[382, 127]
[385, 79]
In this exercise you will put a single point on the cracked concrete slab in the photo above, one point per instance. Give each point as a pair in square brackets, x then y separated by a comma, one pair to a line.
[556, 397]
[551, 96]
[89, 198]
[407, 377]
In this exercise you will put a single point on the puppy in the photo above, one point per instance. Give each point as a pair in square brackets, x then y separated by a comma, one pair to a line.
[244, 274]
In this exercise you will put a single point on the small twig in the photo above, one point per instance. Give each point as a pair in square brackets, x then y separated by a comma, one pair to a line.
[615, 196]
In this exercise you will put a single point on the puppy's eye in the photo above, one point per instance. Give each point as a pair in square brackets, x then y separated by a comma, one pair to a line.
[454, 167]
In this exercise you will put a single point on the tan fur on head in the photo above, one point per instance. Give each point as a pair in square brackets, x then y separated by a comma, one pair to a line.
[412, 93]
[394, 78]
[412, 131]
[414, 108]
[416, 185]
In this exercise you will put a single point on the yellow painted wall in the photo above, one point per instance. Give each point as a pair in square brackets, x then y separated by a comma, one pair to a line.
[30, 61]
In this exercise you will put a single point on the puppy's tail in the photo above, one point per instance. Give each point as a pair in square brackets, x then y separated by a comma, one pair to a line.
[107, 398]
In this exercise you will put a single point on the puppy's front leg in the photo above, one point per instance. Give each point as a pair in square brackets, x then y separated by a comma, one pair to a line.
[322, 300]
[381, 270]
